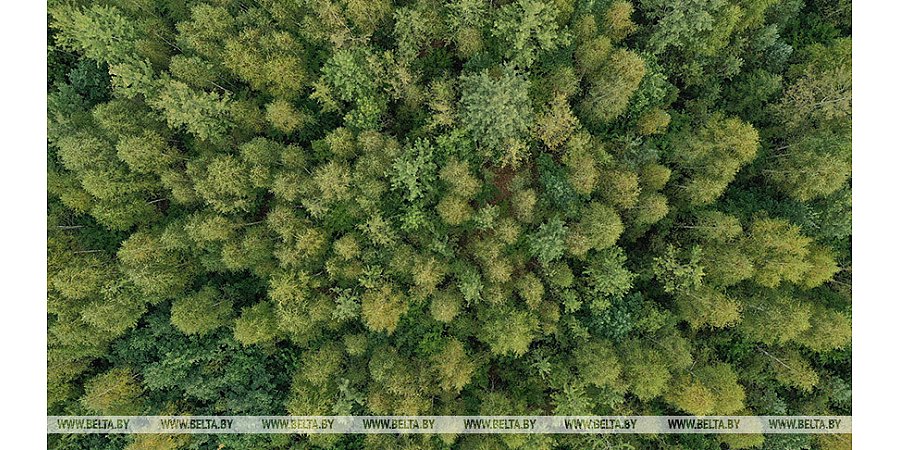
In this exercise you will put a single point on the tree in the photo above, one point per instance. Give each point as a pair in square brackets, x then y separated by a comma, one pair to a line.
[645, 371]
[458, 176]
[114, 393]
[653, 122]
[117, 309]
[653, 177]
[822, 89]
[446, 305]
[454, 367]
[207, 30]
[382, 308]
[197, 72]
[83, 280]
[528, 28]
[598, 364]
[791, 369]
[813, 157]
[709, 390]
[319, 366]
[548, 242]
[454, 210]
[701, 26]
[159, 271]
[256, 324]
[299, 310]
[828, 330]
[224, 183]
[201, 312]
[822, 266]
[146, 153]
[284, 117]
[206, 115]
[599, 228]
[270, 60]
[708, 306]
[348, 74]
[773, 317]
[427, 274]
[531, 290]
[103, 33]
[414, 171]
[606, 274]
[711, 156]
[572, 400]
[650, 208]
[591, 54]
[620, 188]
[366, 16]
[779, 252]
[497, 112]
[581, 158]
[508, 331]
[465, 20]
[415, 28]
[617, 23]
[556, 124]
[815, 165]
[612, 86]
[697, 302]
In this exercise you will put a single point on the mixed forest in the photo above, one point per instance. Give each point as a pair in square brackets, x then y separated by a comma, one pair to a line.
[420, 207]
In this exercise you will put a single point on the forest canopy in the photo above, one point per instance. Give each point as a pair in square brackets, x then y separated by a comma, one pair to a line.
[395, 207]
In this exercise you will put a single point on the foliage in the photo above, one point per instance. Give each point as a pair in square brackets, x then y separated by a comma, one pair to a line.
[449, 208]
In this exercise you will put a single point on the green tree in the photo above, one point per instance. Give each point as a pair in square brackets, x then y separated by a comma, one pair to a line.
[508, 331]
[815, 165]
[256, 324]
[528, 28]
[548, 242]
[415, 28]
[382, 308]
[599, 228]
[446, 305]
[103, 33]
[612, 86]
[645, 370]
[711, 156]
[348, 77]
[710, 389]
[779, 251]
[598, 364]
[497, 112]
[114, 393]
[201, 312]
[269, 60]
[454, 367]
[773, 317]
[206, 115]
[224, 183]
[285, 117]
[701, 26]
[153, 266]
[146, 153]
[828, 330]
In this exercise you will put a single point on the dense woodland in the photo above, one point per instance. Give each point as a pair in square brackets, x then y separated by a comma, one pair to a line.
[390, 207]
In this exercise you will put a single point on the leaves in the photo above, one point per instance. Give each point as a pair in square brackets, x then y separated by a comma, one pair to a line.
[449, 208]
[497, 113]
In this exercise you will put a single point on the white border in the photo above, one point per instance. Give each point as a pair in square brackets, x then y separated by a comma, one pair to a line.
[23, 174]
[875, 163]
